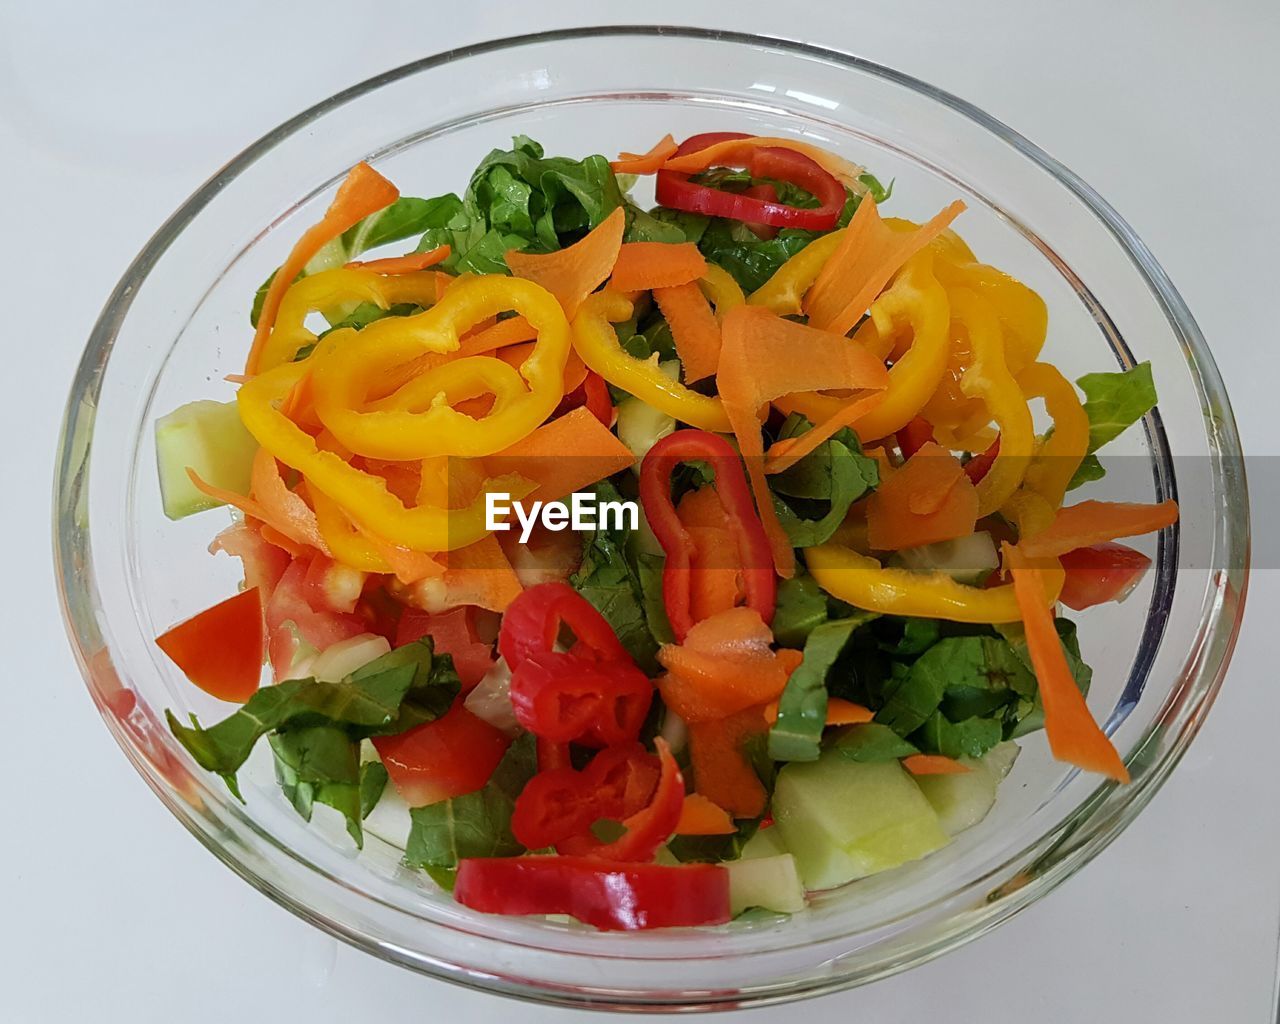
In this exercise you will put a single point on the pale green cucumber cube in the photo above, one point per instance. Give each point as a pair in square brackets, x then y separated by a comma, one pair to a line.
[769, 882]
[209, 438]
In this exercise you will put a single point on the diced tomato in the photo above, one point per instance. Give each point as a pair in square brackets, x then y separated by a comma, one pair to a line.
[453, 633]
[1101, 573]
[333, 587]
[221, 649]
[451, 756]
[264, 563]
[317, 626]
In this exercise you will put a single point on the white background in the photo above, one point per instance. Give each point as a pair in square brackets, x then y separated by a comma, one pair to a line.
[110, 115]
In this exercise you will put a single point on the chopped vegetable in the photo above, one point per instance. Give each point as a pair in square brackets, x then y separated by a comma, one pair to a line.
[221, 650]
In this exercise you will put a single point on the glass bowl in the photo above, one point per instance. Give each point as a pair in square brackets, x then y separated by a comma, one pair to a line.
[178, 321]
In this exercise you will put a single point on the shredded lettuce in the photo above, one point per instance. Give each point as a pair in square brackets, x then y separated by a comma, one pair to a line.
[1113, 403]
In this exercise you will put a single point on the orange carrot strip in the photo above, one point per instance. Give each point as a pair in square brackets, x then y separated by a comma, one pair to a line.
[1093, 522]
[702, 817]
[480, 575]
[763, 357]
[1074, 736]
[721, 771]
[364, 191]
[409, 566]
[787, 452]
[732, 154]
[286, 510]
[845, 712]
[252, 510]
[565, 455]
[236, 378]
[645, 163]
[642, 266]
[694, 328]
[574, 273]
[933, 764]
[928, 500]
[512, 331]
[406, 264]
[869, 254]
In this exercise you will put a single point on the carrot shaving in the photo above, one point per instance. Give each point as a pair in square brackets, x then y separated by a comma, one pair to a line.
[693, 327]
[731, 154]
[933, 764]
[364, 191]
[286, 510]
[869, 254]
[480, 575]
[408, 264]
[512, 331]
[787, 452]
[565, 455]
[237, 378]
[409, 566]
[721, 771]
[1074, 736]
[574, 273]
[1094, 522]
[845, 712]
[645, 163]
[724, 665]
[702, 817]
[764, 357]
[275, 537]
[930, 499]
[642, 266]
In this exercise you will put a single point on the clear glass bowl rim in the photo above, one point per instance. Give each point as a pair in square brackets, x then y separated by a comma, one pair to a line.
[1218, 630]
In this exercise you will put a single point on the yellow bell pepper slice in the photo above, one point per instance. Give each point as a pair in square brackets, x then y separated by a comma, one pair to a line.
[333, 289]
[418, 420]
[362, 496]
[1060, 454]
[597, 343]
[989, 379]
[721, 290]
[863, 582]
[784, 291]
[1022, 313]
[916, 299]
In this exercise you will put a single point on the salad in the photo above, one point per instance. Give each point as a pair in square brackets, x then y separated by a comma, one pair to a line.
[650, 565]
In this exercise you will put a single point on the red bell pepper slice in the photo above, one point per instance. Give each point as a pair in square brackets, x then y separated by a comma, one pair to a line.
[593, 395]
[532, 623]
[1100, 573]
[914, 436]
[562, 803]
[649, 827]
[731, 487]
[677, 191]
[608, 896]
[221, 650]
[978, 466]
[564, 697]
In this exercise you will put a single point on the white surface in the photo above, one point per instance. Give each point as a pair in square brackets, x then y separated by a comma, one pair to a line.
[110, 115]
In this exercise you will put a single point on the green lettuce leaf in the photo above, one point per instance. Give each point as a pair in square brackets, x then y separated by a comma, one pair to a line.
[801, 607]
[404, 688]
[609, 577]
[802, 708]
[475, 824]
[1113, 403]
[813, 497]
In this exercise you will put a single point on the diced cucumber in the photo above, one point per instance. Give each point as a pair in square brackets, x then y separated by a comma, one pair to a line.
[999, 759]
[640, 425]
[846, 819]
[769, 882]
[209, 438]
[963, 800]
[767, 842]
[968, 559]
[339, 660]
